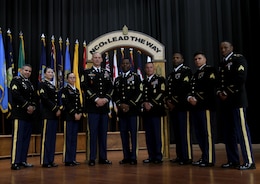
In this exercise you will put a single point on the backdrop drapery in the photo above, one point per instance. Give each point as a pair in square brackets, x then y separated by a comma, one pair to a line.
[181, 25]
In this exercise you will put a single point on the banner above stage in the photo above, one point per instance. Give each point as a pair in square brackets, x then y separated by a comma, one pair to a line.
[127, 38]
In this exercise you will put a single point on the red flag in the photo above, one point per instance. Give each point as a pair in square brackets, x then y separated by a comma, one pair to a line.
[139, 65]
[132, 59]
[107, 62]
[115, 68]
[85, 56]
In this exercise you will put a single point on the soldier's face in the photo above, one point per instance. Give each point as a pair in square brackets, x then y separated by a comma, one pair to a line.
[125, 65]
[49, 74]
[26, 72]
[149, 69]
[97, 59]
[226, 48]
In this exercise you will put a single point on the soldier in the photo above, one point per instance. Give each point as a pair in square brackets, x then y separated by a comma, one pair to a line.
[24, 99]
[231, 91]
[50, 111]
[127, 95]
[72, 111]
[97, 86]
[202, 97]
[178, 86]
[152, 104]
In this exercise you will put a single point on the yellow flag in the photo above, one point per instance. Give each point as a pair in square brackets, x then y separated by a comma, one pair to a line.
[76, 69]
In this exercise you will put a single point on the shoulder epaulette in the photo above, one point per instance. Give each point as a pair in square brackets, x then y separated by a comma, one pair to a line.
[186, 67]
[17, 77]
[238, 55]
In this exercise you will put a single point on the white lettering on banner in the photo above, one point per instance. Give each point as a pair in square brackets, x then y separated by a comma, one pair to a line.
[132, 39]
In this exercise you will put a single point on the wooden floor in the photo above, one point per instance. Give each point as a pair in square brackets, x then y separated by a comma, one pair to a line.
[137, 174]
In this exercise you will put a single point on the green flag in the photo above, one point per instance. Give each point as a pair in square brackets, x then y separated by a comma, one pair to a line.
[21, 58]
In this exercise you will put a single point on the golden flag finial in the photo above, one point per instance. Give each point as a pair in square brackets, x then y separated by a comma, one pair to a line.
[125, 30]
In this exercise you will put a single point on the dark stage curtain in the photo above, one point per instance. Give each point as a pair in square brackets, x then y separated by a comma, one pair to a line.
[181, 25]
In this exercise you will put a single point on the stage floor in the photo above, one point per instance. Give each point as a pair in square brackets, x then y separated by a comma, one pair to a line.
[138, 174]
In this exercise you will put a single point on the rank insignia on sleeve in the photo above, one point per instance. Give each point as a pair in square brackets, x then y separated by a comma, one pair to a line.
[186, 79]
[212, 76]
[14, 87]
[241, 67]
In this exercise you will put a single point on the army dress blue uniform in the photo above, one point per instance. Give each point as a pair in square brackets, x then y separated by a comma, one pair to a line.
[23, 95]
[71, 105]
[97, 85]
[153, 92]
[178, 86]
[49, 106]
[127, 91]
[203, 114]
[233, 73]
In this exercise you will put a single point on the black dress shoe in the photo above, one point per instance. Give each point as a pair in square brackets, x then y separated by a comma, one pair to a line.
[91, 163]
[75, 163]
[124, 161]
[146, 161]
[133, 162]
[54, 165]
[69, 164]
[197, 163]
[46, 165]
[230, 165]
[176, 160]
[25, 164]
[104, 162]
[185, 162]
[15, 167]
[247, 166]
[157, 161]
[206, 164]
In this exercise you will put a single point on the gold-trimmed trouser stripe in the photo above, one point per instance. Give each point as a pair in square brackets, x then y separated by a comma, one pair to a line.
[137, 130]
[245, 135]
[210, 141]
[188, 136]
[43, 139]
[15, 134]
[64, 140]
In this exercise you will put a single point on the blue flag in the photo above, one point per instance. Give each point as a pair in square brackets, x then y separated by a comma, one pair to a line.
[67, 67]
[9, 67]
[60, 65]
[3, 78]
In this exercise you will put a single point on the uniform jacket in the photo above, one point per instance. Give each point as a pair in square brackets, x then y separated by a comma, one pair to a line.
[153, 91]
[233, 74]
[96, 85]
[203, 88]
[48, 100]
[23, 95]
[178, 86]
[127, 91]
[71, 102]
